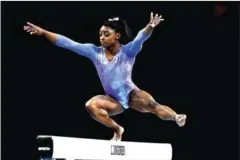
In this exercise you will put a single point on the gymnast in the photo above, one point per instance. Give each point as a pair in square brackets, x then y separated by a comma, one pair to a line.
[114, 61]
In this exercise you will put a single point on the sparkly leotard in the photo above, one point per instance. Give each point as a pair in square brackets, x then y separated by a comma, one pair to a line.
[115, 75]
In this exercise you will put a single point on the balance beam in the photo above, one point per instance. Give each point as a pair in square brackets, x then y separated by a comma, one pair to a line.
[57, 147]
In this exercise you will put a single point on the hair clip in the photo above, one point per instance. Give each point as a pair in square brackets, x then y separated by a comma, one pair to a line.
[114, 19]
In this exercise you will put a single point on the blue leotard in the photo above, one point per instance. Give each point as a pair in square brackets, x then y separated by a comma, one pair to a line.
[115, 75]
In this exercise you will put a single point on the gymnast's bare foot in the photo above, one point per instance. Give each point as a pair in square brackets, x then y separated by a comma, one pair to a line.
[118, 134]
[181, 119]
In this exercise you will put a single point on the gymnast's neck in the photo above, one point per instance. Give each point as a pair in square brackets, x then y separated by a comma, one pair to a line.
[113, 49]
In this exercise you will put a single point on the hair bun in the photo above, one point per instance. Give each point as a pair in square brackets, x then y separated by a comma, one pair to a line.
[114, 19]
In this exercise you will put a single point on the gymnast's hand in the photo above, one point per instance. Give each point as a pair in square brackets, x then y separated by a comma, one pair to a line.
[33, 29]
[155, 20]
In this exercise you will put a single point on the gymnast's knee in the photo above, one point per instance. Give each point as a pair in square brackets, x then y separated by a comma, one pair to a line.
[91, 106]
[94, 109]
[153, 106]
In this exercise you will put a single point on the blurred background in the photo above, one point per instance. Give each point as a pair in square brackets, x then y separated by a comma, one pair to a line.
[190, 63]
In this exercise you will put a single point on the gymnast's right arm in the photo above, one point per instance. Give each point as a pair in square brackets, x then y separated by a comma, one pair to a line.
[86, 49]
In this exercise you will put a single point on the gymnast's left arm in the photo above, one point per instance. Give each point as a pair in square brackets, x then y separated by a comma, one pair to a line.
[135, 46]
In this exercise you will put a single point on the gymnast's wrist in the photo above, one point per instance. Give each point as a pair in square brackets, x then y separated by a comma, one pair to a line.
[43, 32]
[150, 26]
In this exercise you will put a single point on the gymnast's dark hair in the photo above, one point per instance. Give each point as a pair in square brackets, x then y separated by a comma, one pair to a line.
[120, 25]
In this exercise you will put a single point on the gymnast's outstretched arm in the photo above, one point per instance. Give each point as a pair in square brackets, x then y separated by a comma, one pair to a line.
[86, 49]
[135, 46]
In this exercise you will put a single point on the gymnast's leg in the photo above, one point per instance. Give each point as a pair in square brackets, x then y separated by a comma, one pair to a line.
[142, 101]
[101, 107]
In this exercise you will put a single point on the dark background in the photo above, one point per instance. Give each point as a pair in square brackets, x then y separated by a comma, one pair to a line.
[190, 63]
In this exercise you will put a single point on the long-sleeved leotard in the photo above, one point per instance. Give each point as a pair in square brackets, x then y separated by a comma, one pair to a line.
[115, 75]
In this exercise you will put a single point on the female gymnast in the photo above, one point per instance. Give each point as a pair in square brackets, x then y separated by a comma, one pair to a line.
[114, 61]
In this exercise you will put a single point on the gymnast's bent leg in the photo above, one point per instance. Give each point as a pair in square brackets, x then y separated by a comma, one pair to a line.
[101, 107]
[142, 101]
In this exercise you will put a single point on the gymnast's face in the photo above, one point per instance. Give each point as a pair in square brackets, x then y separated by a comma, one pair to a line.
[108, 36]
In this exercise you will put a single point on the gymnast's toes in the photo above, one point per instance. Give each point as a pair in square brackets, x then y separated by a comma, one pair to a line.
[118, 135]
[181, 119]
